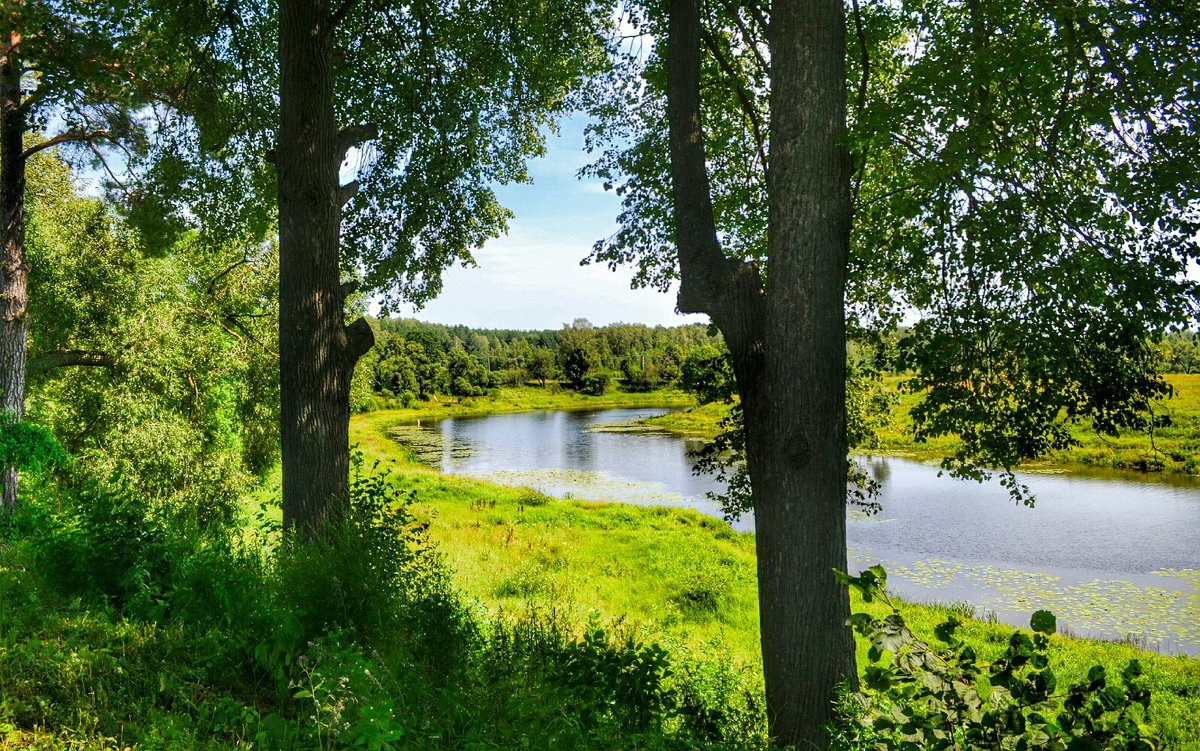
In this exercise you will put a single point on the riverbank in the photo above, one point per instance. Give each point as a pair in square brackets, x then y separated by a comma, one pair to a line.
[673, 574]
[1173, 450]
[526, 399]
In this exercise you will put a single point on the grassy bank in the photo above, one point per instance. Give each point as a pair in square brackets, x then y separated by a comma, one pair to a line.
[526, 399]
[676, 575]
[1173, 450]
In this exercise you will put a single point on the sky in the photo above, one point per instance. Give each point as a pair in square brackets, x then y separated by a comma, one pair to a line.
[531, 278]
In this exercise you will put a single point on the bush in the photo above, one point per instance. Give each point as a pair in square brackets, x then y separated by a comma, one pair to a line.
[596, 382]
[532, 498]
[940, 698]
[376, 575]
[27, 446]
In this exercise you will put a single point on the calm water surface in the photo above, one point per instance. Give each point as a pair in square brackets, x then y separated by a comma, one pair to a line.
[1112, 556]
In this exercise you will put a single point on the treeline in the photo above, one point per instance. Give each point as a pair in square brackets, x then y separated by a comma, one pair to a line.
[1178, 352]
[414, 360]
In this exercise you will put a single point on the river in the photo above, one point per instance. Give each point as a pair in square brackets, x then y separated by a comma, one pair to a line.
[1112, 556]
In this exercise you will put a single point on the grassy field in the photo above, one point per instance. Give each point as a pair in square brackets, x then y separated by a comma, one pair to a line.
[1173, 450]
[674, 574]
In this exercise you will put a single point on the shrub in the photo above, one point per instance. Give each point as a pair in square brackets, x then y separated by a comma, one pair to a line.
[27, 446]
[920, 697]
[531, 497]
[375, 575]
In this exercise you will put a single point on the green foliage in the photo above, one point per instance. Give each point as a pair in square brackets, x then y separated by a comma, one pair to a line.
[1040, 233]
[533, 498]
[184, 403]
[27, 446]
[375, 573]
[596, 382]
[917, 696]
[429, 359]
[153, 632]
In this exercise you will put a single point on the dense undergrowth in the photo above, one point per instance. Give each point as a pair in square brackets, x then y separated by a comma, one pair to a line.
[122, 625]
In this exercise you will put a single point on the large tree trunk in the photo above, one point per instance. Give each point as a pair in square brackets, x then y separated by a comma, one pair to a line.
[317, 352]
[14, 268]
[796, 432]
[787, 343]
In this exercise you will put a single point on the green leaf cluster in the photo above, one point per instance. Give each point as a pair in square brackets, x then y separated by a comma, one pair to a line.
[919, 696]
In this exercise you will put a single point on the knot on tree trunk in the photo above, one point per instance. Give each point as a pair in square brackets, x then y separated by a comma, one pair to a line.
[359, 339]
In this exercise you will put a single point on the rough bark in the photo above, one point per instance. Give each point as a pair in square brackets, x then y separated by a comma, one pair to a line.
[316, 352]
[14, 268]
[787, 344]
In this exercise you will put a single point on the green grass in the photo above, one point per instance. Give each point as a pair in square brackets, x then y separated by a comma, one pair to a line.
[678, 575]
[77, 672]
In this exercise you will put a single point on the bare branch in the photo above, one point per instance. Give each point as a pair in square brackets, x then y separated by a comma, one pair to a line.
[112, 176]
[52, 360]
[71, 136]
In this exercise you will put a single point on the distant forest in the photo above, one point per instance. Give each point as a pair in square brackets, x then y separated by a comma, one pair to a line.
[414, 360]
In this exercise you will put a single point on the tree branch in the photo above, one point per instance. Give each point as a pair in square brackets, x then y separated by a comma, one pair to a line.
[51, 360]
[730, 291]
[71, 136]
[743, 96]
[751, 41]
[233, 319]
[353, 135]
[212, 285]
[346, 192]
[340, 14]
[705, 273]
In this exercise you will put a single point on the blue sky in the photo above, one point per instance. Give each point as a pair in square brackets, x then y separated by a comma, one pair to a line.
[531, 278]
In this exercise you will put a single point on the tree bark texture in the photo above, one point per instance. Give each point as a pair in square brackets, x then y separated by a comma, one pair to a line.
[317, 351]
[14, 268]
[787, 343]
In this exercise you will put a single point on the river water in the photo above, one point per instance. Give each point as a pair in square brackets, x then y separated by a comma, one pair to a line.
[1112, 556]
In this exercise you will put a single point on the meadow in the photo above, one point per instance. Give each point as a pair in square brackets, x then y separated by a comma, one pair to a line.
[450, 613]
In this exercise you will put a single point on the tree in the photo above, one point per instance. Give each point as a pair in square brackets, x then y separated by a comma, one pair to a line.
[957, 155]
[461, 90]
[78, 74]
[541, 365]
[578, 353]
[795, 427]
[179, 400]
